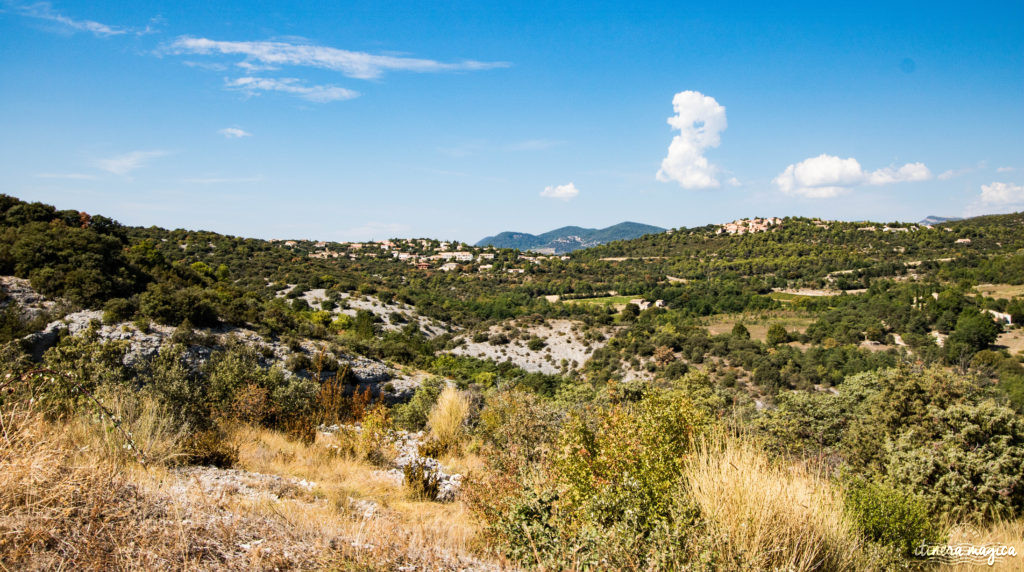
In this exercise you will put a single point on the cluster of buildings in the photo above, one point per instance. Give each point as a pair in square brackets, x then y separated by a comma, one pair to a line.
[749, 225]
[422, 253]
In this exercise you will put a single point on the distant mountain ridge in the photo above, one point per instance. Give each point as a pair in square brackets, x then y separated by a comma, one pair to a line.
[569, 238]
[932, 219]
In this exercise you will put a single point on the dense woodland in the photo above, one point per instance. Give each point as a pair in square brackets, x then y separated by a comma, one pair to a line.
[585, 467]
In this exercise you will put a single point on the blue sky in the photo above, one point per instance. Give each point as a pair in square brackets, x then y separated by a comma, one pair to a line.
[354, 121]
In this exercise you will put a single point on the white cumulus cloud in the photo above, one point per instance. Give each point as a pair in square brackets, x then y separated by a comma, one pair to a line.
[271, 55]
[314, 93]
[908, 173]
[700, 121]
[828, 176]
[564, 192]
[128, 162]
[234, 133]
[1002, 193]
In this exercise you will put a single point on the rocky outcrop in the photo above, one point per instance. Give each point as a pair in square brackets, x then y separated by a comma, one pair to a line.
[143, 345]
[31, 304]
[407, 449]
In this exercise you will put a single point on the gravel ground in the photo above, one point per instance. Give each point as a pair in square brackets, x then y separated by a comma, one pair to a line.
[562, 342]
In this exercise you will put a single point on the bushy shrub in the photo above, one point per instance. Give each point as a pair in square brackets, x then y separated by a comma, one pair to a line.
[240, 388]
[298, 361]
[926, 431]
[967, 462]
[518, 428]
[413, 415]
[85, 363]
[210, 448]
[777, 334]
[117, 310]
[420, 482]
[180, 389]
[625, 467]
[890, 517]
[374, 442]
[619, 475]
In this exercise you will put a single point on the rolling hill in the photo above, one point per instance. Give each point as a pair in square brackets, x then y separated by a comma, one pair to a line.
[569, 238]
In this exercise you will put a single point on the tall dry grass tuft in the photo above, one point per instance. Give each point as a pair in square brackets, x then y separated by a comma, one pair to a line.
[148, 431]
[447, 418]
[768, 515]
[60, 511]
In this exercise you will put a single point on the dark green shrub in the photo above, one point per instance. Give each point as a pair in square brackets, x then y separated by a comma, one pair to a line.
[117, 310]
[777, 334]
[178, 388]
[966, 461]
[298, 361]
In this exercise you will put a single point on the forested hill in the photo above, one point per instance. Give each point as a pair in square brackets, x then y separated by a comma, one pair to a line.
[569, 238]
[809, 250]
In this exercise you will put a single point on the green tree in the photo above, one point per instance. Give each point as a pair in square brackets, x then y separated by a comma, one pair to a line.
[777, 334]
[974, 330]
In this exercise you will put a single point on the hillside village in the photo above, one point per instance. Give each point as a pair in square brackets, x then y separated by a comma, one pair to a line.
[426, 254]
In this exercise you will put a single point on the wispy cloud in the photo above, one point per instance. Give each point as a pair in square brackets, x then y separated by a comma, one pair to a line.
[67, 176]
[44, 11]
[534, 145]
[563, 192]
[1006, 169]
[954, 173]
[293, 86]
[827, 176]
[222, 180]
[234, 133]
[128, 162]
[359, 65]
[464, 149]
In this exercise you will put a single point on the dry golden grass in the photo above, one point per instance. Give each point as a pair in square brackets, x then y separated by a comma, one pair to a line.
[1012, 340]
[767, 515]
[1006, 533]
[447, 418]
[757, 323]
[71, 497]
[424, 528]
[1000, 290]
[143, 420]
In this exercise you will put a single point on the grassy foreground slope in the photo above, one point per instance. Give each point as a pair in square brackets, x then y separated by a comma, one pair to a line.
[820, 396]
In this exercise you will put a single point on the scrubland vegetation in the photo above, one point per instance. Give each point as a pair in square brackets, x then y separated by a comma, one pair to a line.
[728, 430]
